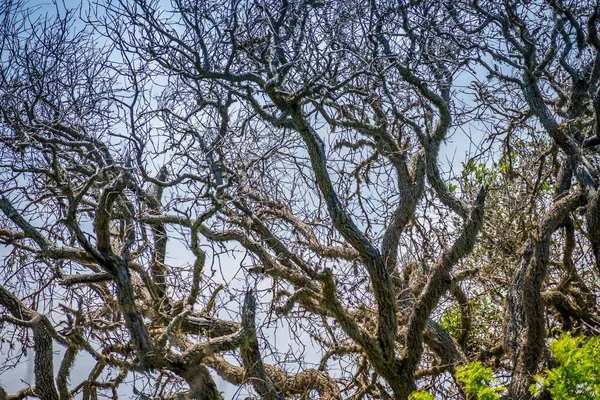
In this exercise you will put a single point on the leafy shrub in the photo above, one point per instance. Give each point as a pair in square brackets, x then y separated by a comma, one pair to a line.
[478, 382]
[421, 395]
[577, 374]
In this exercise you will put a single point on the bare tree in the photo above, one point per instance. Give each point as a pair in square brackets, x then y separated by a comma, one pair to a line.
[183, 182]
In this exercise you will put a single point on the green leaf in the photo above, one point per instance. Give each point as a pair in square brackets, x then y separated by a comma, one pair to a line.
[478, 382]
[421, 395]
[577, 371]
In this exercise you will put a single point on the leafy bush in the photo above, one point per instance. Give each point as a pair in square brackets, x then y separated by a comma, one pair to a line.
[577, 374]
[421, 395]
[478, 382]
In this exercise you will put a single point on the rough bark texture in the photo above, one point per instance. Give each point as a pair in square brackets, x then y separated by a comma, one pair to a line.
[525, 323]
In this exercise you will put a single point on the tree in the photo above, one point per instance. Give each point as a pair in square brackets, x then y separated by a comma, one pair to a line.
[182, 182]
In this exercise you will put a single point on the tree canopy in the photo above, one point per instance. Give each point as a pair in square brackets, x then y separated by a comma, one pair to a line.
[272, 195]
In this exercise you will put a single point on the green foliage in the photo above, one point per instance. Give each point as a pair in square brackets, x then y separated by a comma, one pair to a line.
[478, 382]
[450, 320]
[420, 395]
[482, 174]
[577, 374]
[504, 166]
[485, 315]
